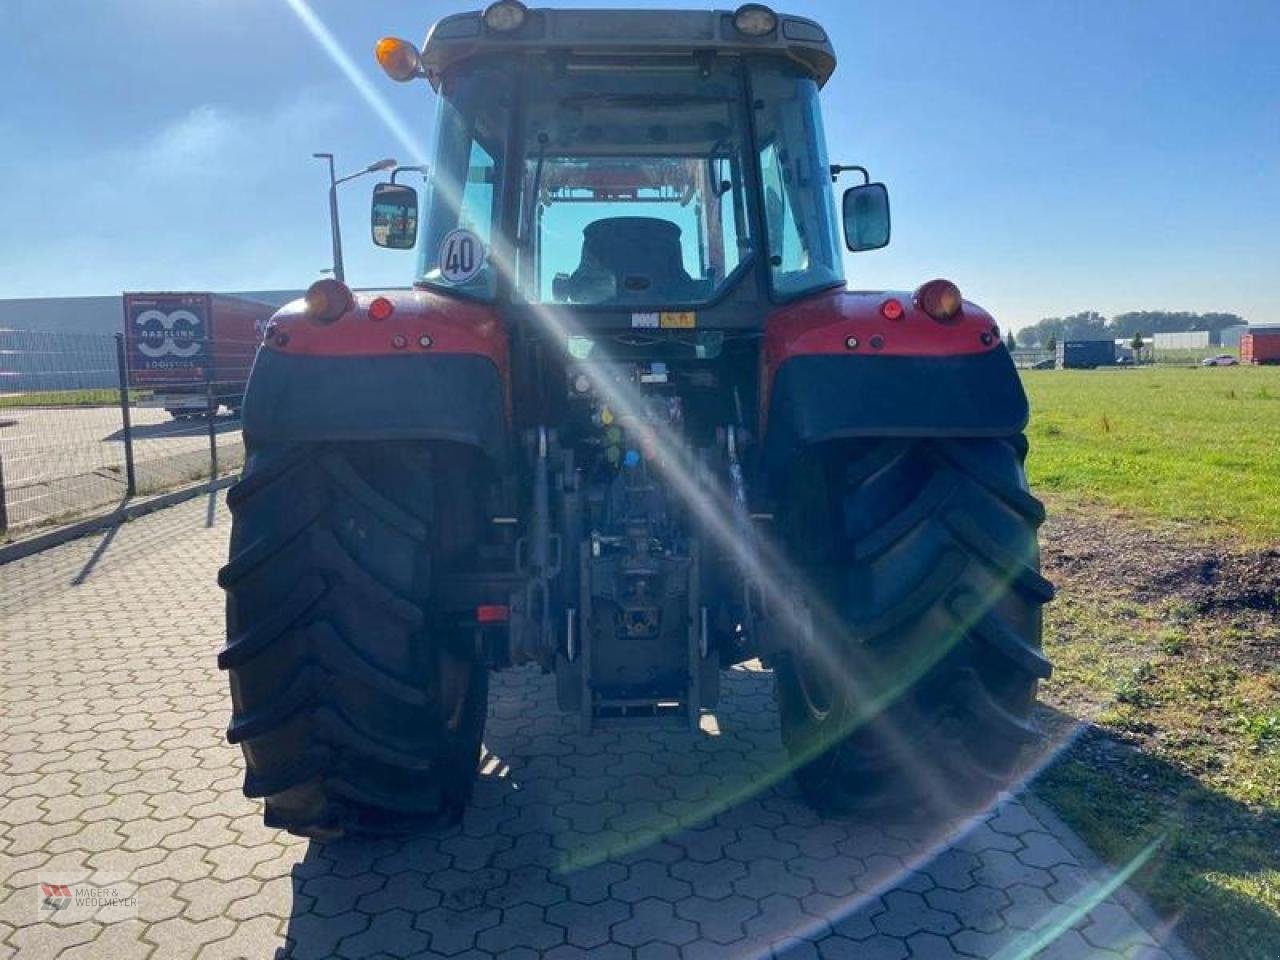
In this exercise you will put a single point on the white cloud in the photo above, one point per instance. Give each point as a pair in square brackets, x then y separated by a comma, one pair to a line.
[212, 141]
[216, 197]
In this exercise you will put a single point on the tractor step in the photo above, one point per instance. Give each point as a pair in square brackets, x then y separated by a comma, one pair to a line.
[598, 708]
[615, 714]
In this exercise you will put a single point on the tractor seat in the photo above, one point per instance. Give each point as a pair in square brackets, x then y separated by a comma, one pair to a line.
[630, 259]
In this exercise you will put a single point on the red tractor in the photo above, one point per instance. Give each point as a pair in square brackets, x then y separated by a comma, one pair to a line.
[628, 424]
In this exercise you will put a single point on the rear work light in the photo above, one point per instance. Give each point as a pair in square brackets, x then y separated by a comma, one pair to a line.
[505, 15]
[399, 59]
[755, 20]
[328, 299]
[940, 299]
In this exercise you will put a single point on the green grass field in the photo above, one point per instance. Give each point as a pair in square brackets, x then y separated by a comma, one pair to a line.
[105, 397]
[1200, 445]
[1143, 470]
[1181, 746]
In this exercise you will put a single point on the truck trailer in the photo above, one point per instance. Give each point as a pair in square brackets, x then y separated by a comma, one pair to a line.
[1260, 345]
[1086, 354]
[192, 351]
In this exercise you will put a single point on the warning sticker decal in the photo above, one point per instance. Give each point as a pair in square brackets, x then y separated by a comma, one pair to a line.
[685, 320]
[666, 320]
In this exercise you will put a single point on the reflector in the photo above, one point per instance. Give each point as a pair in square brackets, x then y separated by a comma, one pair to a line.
[493, 613]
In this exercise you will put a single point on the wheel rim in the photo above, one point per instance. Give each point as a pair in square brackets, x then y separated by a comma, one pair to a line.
[814, 688]
[457, 681]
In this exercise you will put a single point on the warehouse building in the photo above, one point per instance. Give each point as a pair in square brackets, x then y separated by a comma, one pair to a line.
[102, 315]
[1230, 337]
[1185, 340]
[68, 340]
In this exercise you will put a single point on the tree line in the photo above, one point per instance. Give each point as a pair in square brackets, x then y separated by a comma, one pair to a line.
[1091, 325]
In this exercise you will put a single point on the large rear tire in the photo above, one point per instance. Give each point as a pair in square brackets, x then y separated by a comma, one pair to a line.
[916, 689]
[357, 707]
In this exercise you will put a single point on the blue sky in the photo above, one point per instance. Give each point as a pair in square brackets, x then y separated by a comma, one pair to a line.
[1048, 156]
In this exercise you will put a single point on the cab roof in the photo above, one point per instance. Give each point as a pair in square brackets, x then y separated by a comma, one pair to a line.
[625, 32]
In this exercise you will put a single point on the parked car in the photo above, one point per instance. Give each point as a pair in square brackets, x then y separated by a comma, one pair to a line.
[1221, 360]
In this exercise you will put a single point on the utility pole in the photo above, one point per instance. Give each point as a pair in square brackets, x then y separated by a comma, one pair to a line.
[334, 230]
[339, 272]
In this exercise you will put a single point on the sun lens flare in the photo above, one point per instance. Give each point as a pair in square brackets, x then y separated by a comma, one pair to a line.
[364, 86]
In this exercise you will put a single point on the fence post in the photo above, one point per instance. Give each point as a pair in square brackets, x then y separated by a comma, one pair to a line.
[4, 507]
[122, 368]
[212, 408]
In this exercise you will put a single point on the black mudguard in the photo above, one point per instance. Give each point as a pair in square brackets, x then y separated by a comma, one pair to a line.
[310, 399]
[823, 397]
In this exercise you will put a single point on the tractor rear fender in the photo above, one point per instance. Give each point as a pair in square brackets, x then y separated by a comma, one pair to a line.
[433, 368]
[844, 364]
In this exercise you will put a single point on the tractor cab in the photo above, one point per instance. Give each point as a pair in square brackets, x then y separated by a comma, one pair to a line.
[632, 169]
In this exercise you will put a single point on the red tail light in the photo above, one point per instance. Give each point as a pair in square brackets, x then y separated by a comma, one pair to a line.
[940, 299]
[892, 309]
[381, 308]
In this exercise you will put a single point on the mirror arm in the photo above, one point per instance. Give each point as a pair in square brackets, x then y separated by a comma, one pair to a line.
[839, 168]
[421, 168]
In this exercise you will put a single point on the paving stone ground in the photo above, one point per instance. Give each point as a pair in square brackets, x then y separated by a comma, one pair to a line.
[63, 461]
[645, 843]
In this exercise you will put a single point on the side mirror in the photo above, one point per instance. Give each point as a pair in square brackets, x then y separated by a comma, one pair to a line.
[866, 217]
[395, 216]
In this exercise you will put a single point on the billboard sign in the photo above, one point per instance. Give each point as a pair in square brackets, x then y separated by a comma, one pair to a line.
[167, 335]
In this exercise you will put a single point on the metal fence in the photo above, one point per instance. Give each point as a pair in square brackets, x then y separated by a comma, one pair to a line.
[1031, 359]
[80, 433]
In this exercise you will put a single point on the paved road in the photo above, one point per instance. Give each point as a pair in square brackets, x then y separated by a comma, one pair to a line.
[635, 843]
[65, 460]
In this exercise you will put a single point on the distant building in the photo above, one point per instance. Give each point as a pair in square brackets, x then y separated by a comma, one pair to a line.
[64, 343]
[1185, 340]
[90, 314]
[1230, 336]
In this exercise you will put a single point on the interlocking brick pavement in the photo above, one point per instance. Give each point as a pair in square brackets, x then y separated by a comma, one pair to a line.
[634, 843]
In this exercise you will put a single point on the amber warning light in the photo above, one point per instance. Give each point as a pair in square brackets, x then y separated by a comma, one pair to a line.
[940, 299]
[328, 299]
[398, 58]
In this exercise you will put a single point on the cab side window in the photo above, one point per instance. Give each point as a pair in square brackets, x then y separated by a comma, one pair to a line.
[799, 212]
